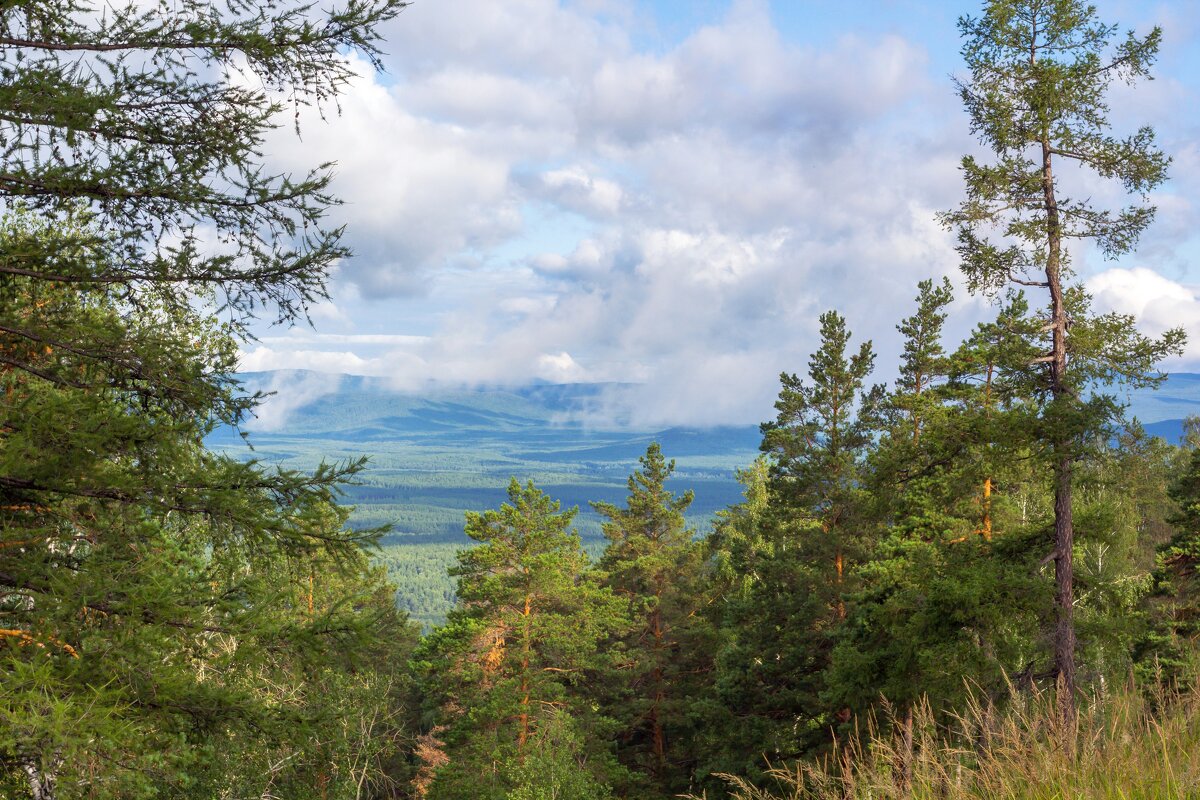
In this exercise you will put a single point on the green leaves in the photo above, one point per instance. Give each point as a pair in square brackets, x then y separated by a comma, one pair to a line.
[505, 673]
[156, 642]
[145, 116]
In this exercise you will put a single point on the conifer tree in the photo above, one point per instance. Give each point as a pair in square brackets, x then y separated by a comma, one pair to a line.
[930, 595]
[135, 205]
[738, 541]
[507, 669]
[1167, 650]
[818, 439]
[1039, 71]
[772, 672]
[922, 364]
[150, 117]
[737, 551]
[652, 564]
[141, 573]
[878, 654]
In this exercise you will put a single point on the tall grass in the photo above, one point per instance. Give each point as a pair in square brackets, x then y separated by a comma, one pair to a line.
[1124, 746]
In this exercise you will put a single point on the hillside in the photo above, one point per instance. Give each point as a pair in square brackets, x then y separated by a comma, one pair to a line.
[437, 454]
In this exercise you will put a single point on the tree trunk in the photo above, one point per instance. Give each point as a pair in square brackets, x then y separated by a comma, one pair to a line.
[987, 481]
[523, 717]
[41, 782]
[986, 530]
[840, 564]
[1064, 534]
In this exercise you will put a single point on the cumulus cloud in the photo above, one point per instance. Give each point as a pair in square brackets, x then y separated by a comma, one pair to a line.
[534, 191]
[1158, 303]
[574, 189]
[418, 192]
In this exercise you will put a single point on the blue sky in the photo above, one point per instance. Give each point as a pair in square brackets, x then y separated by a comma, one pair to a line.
[668, 194]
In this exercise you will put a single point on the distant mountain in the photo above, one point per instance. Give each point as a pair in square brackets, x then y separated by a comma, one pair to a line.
[438, 453]
[1162, 411]
[323, 403]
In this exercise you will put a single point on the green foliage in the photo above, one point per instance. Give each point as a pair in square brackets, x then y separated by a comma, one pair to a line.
[152, 642]
[653, 565]
[931, 593]
[1039, 75]
[1166, 652]
[148, 645]
[183, 622]
[779, 628]
[554, 768]
[505, 672]
[149, 120]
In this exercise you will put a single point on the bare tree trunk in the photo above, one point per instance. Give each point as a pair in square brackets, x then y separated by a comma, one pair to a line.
[41, 781]
[523, 717]
[1064, 533]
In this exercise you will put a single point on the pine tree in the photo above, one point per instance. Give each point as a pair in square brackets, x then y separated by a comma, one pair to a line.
[819, 437]
[506, 670]
[141, 571]
[1039, 71]
[737, 551]
[738, 541]
[149, 119]
[772, 671]
[878, 648]
[1167, 650]
[930, 594]
[137, 205]
[652, 563]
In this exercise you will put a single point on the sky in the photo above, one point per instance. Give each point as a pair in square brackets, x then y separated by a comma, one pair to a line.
[665, 195]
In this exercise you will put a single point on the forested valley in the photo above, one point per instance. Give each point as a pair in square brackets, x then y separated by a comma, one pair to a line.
[977, 579]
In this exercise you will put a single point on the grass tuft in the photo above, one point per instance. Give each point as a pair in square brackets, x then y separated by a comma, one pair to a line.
[1125, 745]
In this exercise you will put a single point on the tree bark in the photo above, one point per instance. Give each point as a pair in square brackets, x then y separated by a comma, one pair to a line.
[1064, 534]
[523, 717]
[41, 782]
[987, 481]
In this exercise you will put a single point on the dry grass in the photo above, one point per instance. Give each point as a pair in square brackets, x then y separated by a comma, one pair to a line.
[1126, 746]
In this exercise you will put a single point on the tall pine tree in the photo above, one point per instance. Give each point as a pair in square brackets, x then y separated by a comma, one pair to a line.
[507, 670]
[771, 674]
[652, 563]
[1039, 72]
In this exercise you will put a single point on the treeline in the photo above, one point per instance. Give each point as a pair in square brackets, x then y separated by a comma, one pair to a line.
[175, 623]
[893, 553]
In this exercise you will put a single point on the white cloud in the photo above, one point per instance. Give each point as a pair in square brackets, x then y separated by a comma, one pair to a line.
[417, 191]
[554, 202]
[263, 359]
[288, 392]
[1157, 302]
[559, 368]
[574, 189]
